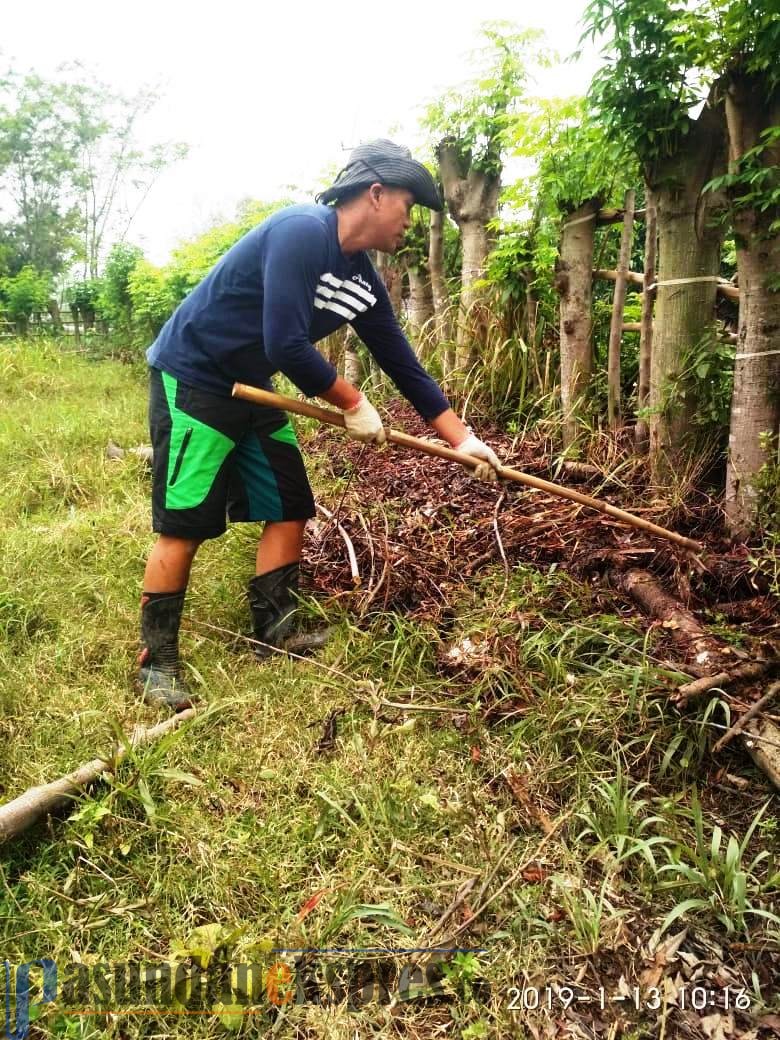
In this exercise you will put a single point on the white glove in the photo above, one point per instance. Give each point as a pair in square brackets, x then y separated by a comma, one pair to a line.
[472, 445]
[363, 422]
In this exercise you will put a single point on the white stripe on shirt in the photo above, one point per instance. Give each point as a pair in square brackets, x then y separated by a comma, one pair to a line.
[331, 279]
[360, 291]
[330, 306]
[351, 300]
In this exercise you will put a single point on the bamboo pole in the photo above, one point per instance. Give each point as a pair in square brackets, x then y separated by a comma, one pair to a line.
[325, 415]
[642, 431]
[16, 816]
[724, 287]
[618, 305]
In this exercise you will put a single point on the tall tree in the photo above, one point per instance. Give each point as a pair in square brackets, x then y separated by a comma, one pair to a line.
[644, 92]
[38, 163]
[578, 169]
[746, 45]
[469, 126]
[72, 168]
[415, 257]
[115, 173]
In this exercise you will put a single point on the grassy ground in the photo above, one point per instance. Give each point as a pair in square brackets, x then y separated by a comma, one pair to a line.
[573, 828]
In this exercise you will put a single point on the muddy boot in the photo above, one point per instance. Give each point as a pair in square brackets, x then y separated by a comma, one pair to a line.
[158, 675]
[273, 599]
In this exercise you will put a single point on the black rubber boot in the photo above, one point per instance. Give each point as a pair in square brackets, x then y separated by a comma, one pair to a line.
[273, 599]
[158, 675]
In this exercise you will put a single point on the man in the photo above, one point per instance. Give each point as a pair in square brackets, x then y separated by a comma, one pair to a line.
[292, 280]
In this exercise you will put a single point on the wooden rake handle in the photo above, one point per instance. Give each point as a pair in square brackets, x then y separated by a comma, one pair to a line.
[325, 415]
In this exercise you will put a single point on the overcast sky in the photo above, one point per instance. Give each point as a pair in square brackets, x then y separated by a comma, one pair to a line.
[271, 95]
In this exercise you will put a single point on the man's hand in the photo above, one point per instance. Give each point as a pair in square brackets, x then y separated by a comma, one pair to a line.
[363, 422]
[472, 445]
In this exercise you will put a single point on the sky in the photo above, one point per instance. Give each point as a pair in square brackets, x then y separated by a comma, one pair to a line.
[269, 96]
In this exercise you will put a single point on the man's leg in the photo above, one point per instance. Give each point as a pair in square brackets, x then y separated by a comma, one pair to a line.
[165, 585]
[192, 438]
[169, 564]
[280, 543]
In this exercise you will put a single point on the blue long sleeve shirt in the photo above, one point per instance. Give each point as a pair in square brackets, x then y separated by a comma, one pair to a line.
[282, 287]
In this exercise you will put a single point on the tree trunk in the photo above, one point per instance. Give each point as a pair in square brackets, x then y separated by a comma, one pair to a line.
[442, 303]
[646, 333]
[56, 317]
[573, 281]
[471, 331]
[688, 248]
[472, 199]
[421, 308]
[755, 405]
[618, 306]
[393, 277]
[354, 371]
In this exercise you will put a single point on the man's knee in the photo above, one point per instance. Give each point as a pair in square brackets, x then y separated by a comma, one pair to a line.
[181, 548]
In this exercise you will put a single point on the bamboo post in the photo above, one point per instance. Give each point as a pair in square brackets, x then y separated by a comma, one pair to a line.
[618, 305]
[642, 431]
[325, 415]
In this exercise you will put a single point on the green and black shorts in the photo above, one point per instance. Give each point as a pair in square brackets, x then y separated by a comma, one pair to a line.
[218, 458]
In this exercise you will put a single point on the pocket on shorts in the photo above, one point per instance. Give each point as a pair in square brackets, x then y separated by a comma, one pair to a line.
[180, 456]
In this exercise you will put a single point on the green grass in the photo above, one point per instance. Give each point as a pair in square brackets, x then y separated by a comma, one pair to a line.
[236, 820]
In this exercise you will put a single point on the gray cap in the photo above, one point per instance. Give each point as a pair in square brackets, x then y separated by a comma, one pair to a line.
[386, 163]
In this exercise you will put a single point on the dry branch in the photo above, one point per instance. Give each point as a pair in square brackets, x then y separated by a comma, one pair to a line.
[747, 672]
[16, 816]
[353, 564]
[743, 720]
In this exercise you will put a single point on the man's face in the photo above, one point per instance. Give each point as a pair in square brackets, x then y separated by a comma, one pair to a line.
[391, 220]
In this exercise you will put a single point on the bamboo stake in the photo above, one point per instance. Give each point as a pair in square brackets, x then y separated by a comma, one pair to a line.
[16, 816]
[642, 431]
[618, 305]
[325, 415]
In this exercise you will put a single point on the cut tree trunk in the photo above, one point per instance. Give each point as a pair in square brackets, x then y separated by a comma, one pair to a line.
[689, 245]
[618, 306]
[472, 199]
[573, 282]
[755, 405]
[642, 432]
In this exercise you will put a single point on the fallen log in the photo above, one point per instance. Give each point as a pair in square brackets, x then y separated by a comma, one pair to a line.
[762, 739]
[18, 815]
[650, 595]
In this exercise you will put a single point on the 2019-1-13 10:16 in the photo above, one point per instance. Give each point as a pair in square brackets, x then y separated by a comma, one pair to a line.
[697, 998]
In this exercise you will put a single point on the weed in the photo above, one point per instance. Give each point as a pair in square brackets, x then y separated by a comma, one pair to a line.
[719, 875]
